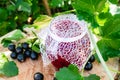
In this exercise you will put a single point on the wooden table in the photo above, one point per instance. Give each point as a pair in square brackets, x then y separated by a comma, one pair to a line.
[29, 67]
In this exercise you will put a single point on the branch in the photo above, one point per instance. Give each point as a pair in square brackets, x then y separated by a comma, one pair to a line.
[47, 7]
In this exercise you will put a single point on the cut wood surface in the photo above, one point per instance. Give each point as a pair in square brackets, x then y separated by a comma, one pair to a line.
[29, 67]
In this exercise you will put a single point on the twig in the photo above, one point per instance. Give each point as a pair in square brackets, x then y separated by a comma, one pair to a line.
[99, 55]
[47, 7]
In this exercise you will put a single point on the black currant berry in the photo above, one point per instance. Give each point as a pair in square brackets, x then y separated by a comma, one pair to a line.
[33, 55]
[38, 76]
[27, 53]
[25, 45]
[19, 49]
[21, 57]
[11, 47]
[88, 66]
[13, 55]
[92, 58]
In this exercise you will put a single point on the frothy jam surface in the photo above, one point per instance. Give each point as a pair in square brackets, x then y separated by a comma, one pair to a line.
[66, 29]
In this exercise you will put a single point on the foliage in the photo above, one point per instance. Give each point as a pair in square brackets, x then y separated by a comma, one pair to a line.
[60, 3]
[109, 44]
[15, 13]
[89, 9]
[111, 28]
[97, 13]
[10, 69]
[92, 10]
[58, 6]
[7, 68]
[114, 1]
[16, 36]
[107, 51]
[73, 72]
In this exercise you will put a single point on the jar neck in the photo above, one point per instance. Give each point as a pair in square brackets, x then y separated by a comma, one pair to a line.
[60, 39]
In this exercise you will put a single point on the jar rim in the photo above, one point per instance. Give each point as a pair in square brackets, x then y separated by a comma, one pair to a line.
[72, 18]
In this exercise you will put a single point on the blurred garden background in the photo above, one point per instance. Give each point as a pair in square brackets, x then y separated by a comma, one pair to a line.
[18, 14]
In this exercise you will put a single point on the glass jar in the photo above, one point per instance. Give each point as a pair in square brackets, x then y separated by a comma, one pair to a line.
[67, 41]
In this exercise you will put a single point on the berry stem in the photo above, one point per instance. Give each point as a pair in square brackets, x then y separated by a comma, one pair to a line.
[99, 55]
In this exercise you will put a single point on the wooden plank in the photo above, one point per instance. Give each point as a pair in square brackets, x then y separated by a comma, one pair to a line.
[29, 67]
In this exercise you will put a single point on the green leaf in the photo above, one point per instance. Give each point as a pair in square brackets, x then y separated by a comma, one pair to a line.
[41, 21]
[7, 68]
[35, 9]
[5, 42]
[87, 17]
[55, 3]
[89, 6]
[10, 69]
[114, 1]
[3, 28]
[92, 77]
[103, 49]
[17, 35]
[3, 14]
[24, 6]
[42, 18]
[103, 17]
[36, 48]
[70, 73]
[106, 50]
[74, 68]
[3, 59]
[35, 44]
[113, 43]
[11, 8]
[23, 18]
[111, 29]
[88, 10]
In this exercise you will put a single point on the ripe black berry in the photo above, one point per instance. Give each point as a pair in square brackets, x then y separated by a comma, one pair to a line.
[88, 66]
[19, 49]
[92, 58]
[13, 55]
[25, 45]
[21, 57]
[27, 53]
[38, 76]
[33, 55]
[11, 47]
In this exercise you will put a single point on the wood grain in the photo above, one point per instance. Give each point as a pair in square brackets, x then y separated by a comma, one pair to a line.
[28, 68]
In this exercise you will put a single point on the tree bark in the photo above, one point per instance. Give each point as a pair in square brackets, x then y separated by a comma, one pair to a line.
[47, 7]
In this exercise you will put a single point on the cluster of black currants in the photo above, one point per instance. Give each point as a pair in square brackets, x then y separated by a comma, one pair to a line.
[89, 64]
[22, 52]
